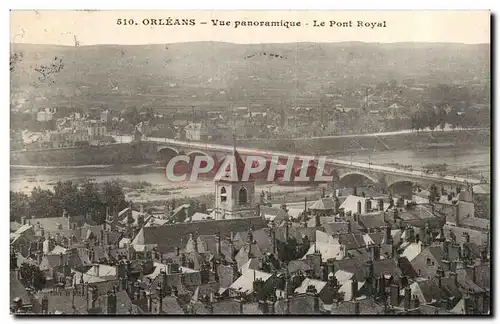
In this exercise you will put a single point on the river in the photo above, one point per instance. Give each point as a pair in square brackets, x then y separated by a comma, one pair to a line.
[148, 183]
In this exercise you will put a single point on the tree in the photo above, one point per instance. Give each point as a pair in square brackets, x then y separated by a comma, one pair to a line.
[91, 201]
[441, 117]
[18, 205]
[67, 198]
[15, 58]
[112, 195]
[42, 203]
[132, 115]
[32, 276]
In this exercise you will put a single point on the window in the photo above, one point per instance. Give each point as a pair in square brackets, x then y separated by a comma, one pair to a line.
[223, 195]
[242, 196]
[429, 262]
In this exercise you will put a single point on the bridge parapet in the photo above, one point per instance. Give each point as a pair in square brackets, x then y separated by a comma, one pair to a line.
[368, 170]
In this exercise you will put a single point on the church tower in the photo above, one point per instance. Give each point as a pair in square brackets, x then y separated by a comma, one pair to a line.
[234, 198]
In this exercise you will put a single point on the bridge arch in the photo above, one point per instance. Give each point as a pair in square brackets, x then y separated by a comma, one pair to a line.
[196, 152]
[356, 178]
[167, 149]
[164, 154]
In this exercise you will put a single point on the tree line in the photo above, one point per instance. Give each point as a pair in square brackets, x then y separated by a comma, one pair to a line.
[88, 198]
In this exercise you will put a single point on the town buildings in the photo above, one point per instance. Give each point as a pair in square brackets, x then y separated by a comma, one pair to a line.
[341, 254]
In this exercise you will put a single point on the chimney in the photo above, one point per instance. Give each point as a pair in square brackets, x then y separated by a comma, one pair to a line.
[410, 234]
[45, 305]
[469, 305]
[358, 210]
[453, 276]
[263, 306]
[374, 252]
[404, 281]
[367, 205]
[160, 292]
[92, 290]
[273, 239]
[287, 224]
[388, 234]
[439, 275]
[381, 204]
[241, 301]
[407, 298]
[141, 209]
[111, 302]
[330, 264]
[394, 295]
[270, 306]
[371, 273]
[354, 288]
[61, 259]
[317, 220]
[195, 242]
[381, 285]
[356, 308]
[218, 244]
[416, 302]
[484, 254]
[150, 303]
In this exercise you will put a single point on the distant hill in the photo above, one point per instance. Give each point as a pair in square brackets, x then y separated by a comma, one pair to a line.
[221, 75]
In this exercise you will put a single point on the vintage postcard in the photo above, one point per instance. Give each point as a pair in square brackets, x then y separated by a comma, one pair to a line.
[250, 162]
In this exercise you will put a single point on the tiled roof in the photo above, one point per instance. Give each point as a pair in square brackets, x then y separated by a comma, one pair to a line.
[351, 204]
[298, 265]
[273, 213]
[23, 229]
[476, 236]
[475, 222]
[227, 307]
[412, 250]
[167, 237]
[367, 306]
[323, 204]
[346, 288]
[297, 233]
[334, 228]
[65, 302]
[318, 284]
[17, 289]
[244, 283]
[57, 250]
[170, 305]
[14, 226]
[102, 270]
[302, 304]
[352, 241]
[372, 220]
[327, 251]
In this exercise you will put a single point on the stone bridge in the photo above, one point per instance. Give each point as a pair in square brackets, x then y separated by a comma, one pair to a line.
[343, 172]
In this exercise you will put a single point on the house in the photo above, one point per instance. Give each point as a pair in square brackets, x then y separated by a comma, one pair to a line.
[196, 132]
[324, 289]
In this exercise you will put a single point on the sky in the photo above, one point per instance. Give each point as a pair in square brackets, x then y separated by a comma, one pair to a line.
[60, 27]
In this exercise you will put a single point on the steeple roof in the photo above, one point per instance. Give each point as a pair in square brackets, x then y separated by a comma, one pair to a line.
[239, 163]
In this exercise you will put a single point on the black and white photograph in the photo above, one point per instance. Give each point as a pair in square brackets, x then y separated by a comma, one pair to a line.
[203, 163]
